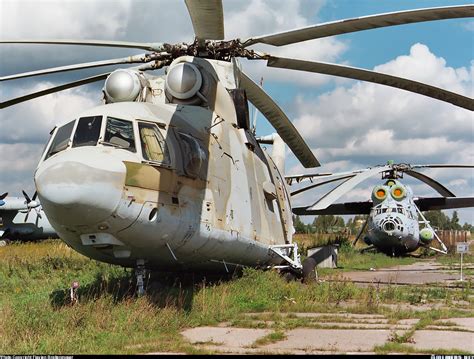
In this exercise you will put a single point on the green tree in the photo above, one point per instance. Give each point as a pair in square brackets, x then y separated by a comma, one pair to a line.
[324, 224]
[454, 221]
[300, 227]
[438, 219]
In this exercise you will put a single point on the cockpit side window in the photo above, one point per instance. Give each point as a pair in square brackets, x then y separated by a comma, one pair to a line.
[119, 133]
[87, 131]
[193, 155]
[61, 139]
[153, 144]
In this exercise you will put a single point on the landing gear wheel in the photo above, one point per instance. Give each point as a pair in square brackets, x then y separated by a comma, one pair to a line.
[290, 276]
[309, 270]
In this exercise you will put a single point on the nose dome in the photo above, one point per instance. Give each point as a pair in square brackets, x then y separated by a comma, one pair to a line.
[80, 186]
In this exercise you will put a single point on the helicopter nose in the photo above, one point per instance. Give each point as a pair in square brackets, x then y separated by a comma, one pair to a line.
[389, 226]
[81, 186]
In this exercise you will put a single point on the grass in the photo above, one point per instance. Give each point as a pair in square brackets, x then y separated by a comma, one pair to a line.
[36, 317]
[273, 337]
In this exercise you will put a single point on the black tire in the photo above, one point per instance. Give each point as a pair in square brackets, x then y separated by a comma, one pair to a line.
[289, 276]
[309, 270]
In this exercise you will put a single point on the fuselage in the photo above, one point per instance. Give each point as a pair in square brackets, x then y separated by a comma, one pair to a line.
[178, 186]
[393, 226]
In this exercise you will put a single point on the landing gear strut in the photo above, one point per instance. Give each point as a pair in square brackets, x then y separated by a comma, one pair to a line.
[140, 272]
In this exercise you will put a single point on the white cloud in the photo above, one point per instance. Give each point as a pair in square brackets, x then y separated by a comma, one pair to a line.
[378, 121]
[469, 25]
[58, 19]
[32, 121]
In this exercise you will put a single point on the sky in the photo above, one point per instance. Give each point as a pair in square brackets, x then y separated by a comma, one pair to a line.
[348, 124]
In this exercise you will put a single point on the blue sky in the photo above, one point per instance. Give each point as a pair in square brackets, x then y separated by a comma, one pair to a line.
[348, 124]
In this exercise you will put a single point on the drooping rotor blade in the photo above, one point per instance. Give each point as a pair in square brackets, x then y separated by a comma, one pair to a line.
[363, 23]
[51, 90]
[361, 231]
[277, 118]
[333, 179]
[372, 76]
[124, 60]
[314, 176]
[432, 183]
[149, 46]
[434, 203]
[332, 196]
[442, 166]
[337, 209]
[299, 178]
[207, 17]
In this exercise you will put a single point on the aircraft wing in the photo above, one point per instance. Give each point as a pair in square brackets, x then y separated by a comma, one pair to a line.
[337, 208]
[429, 203]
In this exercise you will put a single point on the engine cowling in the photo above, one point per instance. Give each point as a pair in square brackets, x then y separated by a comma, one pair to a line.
[122, 85]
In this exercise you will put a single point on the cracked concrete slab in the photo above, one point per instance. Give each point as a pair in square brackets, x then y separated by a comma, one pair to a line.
[225, 337]
[341, 340]
[437, 339]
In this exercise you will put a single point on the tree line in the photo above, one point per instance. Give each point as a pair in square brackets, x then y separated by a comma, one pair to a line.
[334, 224]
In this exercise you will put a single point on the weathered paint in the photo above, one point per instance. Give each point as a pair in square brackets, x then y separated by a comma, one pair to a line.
[168, 219]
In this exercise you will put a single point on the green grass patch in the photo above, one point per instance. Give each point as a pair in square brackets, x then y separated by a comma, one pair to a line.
[36, 317]
[273, 337]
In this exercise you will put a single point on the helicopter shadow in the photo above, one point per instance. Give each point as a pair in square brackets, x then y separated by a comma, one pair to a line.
[163, 290]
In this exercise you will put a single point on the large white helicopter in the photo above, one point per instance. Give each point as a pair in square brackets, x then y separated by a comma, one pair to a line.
[167, 174]
[395, 222]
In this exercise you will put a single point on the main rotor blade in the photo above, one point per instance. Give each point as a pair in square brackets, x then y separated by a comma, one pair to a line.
[314, 176]
[279, 121]
[442, 166]
[361, 231]
[363, 23]
[332, 196]
[149, 46]
[431, 182]
[124, 60]
[434, 203]
[53, 90]
[314, 185]
[207, 17]
[372, 76]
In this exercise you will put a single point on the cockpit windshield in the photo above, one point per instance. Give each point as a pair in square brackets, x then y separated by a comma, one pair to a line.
[87, 131]
[61, 139]
[119, 133]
